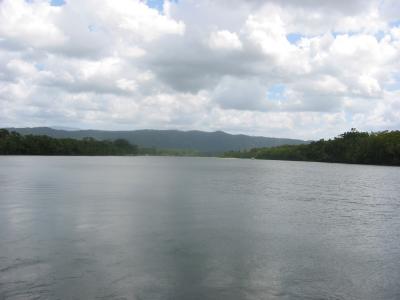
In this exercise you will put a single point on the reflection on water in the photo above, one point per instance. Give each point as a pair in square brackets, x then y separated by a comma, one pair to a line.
[197, 228]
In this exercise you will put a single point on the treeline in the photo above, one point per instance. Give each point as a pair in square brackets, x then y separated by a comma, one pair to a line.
[378, 148]
[169, 152]
[17, 144]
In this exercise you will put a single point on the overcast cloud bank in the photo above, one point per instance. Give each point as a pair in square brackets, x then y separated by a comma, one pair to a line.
[305, 69]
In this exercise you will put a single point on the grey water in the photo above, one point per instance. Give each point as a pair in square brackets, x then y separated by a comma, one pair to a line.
[197, 228]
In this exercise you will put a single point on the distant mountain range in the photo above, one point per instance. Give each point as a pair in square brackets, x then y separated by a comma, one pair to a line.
[201, 141]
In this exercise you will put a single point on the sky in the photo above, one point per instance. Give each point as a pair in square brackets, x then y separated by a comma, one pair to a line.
[302, 69]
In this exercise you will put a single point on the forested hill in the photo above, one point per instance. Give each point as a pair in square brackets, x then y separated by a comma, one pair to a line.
[13, 143]
[203, 142]
[379, 148]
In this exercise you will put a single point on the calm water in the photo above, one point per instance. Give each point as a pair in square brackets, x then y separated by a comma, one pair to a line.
[197, 228]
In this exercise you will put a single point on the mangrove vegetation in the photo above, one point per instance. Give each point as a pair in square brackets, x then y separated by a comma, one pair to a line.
[378, 148]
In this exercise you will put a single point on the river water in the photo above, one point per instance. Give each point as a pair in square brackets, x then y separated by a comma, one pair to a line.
[197, 228]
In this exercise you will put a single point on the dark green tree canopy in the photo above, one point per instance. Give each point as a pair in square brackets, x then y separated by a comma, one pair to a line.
[378, 148]
[14, 143]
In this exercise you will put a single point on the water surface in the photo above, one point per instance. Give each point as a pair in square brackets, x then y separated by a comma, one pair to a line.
[197, 228]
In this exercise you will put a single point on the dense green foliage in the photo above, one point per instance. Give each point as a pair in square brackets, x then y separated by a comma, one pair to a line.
[380, 148]
[168, 152]
[14, 143]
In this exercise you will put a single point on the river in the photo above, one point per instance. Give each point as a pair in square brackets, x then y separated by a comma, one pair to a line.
[197, 228]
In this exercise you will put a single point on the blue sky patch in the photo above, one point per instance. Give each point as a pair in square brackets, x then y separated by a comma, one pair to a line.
[394, 23]
[157, 4]
[57, 2]
[293, 38]
[276, 92]
[335, 34]
[39, 66]
[379, 35]
[92, 28]
[394, 86]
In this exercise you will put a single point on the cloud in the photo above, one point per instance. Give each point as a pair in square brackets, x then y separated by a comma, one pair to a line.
[202, 65]
[25, 25]
[241, 94]
[225, 40]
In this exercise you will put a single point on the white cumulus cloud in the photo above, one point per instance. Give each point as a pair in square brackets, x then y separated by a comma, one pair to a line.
[208, 65]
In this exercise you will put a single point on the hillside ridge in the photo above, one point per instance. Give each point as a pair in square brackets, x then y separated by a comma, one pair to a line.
[205, 142]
